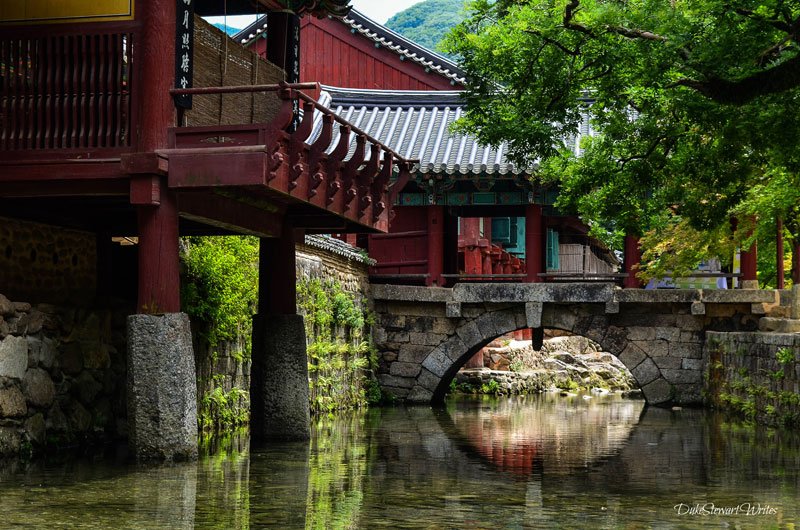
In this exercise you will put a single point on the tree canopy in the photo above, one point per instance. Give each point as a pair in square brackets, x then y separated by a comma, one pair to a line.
[696, 102]
[427, 22]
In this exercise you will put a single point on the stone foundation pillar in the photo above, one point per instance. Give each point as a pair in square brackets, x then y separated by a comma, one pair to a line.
[279, 407]
[162, 391]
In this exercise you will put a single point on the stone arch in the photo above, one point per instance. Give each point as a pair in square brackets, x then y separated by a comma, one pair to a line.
[445, 359]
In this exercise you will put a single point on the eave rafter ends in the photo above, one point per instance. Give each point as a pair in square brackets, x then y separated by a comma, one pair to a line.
[319, 169]
[318, 8]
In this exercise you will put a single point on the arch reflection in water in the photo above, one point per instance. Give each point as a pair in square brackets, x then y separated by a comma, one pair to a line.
[537, 462]
[558, 433]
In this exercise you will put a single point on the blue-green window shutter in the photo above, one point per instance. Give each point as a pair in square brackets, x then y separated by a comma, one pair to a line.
[552, 250]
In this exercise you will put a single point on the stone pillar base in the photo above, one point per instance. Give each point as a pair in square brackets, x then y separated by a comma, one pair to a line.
[749, 284]
[162, 391]
[279, 407]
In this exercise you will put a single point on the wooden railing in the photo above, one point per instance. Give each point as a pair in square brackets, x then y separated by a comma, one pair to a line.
[66, 91]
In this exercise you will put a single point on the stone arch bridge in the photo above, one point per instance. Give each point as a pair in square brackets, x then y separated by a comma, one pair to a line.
[425, 334]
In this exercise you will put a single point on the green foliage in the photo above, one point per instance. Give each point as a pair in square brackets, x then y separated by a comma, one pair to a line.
[340, 353]
[220, 284]
[491, 387]
[517, 365]
[695, 100]
[569, 384]
[220, 410]
[338, 463]
[427, 22]
[784, 355]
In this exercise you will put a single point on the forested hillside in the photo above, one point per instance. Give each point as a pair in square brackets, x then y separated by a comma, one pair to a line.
[427, 23]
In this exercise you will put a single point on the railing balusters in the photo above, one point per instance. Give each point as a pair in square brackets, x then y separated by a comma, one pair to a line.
[30, 83]
[58, 86]
[83, 88]
[19, 120]
[75, 97]
[102, 127]
[49, 91]
[5, 102]
[66, 91]
[115, 88]
[41, 66]
[92, 88]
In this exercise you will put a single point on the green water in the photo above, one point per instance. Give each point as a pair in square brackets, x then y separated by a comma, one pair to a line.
[533, 462]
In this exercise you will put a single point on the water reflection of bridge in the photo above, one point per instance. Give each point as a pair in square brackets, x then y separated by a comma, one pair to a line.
[560, 434]
[491, 464]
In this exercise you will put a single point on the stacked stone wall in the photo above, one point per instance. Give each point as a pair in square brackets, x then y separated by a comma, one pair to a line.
[756, 375]
[42, 263]
[62, 375]
[314, 263]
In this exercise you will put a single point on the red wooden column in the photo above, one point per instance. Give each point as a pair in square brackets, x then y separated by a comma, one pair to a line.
[795, 262]
[749, 263]
[435, 244]
[156, 77]
[780, 281]
[534, 242]
[277, 276]
[159, 270]
[472, 252]
[632, 257]
[159, 279]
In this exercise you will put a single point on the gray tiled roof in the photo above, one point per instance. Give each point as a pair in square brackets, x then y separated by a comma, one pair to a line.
[382, 36]
[337, 246]
[416, 124]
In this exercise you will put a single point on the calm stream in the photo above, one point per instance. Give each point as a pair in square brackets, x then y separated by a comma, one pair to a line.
[527, 462]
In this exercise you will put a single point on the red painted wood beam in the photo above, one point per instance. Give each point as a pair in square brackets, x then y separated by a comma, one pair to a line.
[534, 243]
[156, 110]
[118, 187]
[749, 263]
[632, 258]
[796, 262]
[230, 214]
[435, 245]
[159, 277]
[277, 278]
[55, 170]
[780, 281]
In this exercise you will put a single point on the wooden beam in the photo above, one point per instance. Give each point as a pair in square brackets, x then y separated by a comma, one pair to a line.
[66, 188]
[229, 213]
[50, 170]
[151, 163]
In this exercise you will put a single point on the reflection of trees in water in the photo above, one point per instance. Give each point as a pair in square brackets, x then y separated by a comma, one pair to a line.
[337, 467]
[559, 433]
[596, 464]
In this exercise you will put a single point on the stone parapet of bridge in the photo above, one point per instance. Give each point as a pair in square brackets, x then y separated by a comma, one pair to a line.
[426, 334]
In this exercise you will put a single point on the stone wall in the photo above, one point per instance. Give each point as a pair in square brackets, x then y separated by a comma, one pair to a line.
[325, 258]
[42, 263]
[62, 375]
[226, 367]
[756, 375]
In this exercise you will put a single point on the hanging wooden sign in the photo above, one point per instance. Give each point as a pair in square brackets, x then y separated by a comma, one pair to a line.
[60, 11]
[184, 49]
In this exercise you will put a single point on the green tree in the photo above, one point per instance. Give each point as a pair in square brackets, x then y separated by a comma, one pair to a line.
[426, 23]
[696, 101]
[220, 286]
